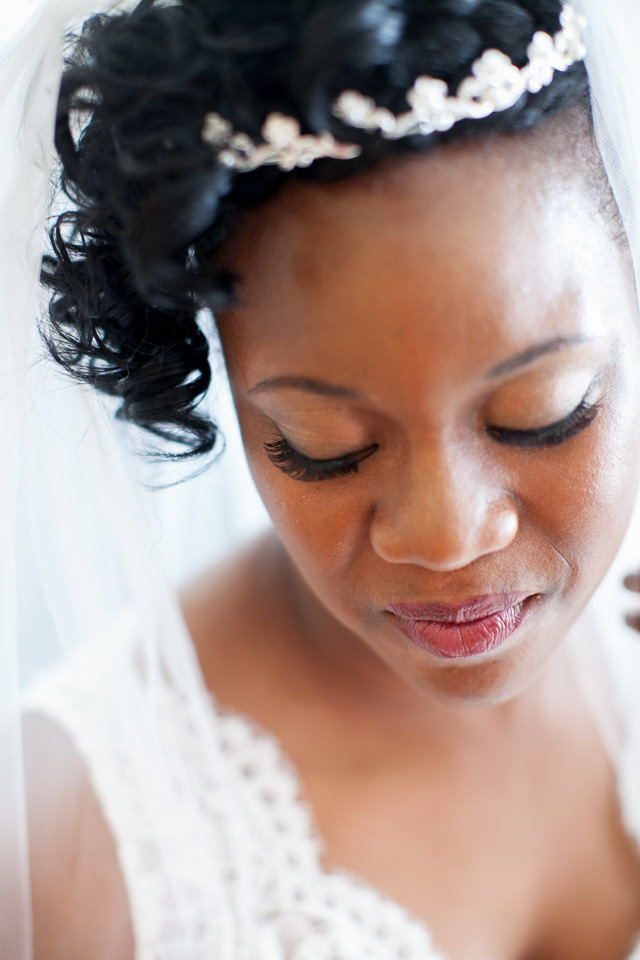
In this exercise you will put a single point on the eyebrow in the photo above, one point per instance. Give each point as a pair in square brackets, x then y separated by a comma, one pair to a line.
[309, 384]
[534, 353]
[325, 389]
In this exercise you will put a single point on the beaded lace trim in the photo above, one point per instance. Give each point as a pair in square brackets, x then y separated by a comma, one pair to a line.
[300, 910]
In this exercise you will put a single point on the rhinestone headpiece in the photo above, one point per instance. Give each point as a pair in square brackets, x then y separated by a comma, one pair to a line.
[495, 84]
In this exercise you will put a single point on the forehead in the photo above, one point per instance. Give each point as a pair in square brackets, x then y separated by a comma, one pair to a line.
[490, 247]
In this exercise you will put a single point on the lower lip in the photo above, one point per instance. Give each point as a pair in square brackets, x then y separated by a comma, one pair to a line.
[459, 641]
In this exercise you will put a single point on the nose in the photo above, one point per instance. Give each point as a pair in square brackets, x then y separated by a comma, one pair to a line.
[443, 513]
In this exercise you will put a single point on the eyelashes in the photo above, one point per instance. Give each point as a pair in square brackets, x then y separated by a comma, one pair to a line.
[296, 465]
[300, 467]
[552, 435]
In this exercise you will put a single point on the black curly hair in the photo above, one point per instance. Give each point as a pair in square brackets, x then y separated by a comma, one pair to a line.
[133, 262]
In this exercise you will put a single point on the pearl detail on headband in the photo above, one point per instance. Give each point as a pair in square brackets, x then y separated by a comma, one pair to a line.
[284, 145]
[495, 84]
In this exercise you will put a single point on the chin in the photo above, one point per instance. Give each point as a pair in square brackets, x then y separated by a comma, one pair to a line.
[497, 675]
[490, 680]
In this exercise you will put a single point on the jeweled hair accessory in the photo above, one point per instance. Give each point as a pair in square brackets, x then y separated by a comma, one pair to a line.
[284, 145]
[495, 84]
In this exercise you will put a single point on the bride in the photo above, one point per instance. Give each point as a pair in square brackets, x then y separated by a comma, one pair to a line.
[385, 728]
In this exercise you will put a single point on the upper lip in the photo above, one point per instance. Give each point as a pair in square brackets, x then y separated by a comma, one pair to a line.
[464, 611]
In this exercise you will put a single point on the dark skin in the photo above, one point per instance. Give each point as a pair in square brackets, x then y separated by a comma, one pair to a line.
[475, 793]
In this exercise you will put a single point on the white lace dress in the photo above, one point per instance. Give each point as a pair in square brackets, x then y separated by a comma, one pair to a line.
[216, 847]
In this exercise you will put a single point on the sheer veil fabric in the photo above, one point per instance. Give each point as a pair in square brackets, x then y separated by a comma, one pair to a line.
[78, 537]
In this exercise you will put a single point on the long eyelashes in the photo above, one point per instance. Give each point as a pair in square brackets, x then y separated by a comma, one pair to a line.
[300, 467]
[549, 436]
[296, 465]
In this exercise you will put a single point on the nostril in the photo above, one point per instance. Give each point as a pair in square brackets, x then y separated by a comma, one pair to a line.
[443, 539]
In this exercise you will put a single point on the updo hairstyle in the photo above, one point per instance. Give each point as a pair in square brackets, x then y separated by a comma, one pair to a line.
[134, 261]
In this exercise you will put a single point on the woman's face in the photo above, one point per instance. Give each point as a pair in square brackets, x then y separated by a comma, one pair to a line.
[435, 371]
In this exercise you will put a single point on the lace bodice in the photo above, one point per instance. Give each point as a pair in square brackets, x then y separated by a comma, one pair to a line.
[217, 848]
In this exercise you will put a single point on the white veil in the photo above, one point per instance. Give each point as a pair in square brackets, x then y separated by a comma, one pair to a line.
[79, 539]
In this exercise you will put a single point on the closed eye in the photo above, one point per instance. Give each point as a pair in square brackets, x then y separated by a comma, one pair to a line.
[551, 435]
[307, 469]
[301, 467]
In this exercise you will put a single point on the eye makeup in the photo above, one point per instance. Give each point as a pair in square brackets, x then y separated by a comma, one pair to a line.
[551, 435]
[307, 469]
[301, 467]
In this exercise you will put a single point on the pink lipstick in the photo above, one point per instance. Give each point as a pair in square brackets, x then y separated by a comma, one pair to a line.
[456, 631]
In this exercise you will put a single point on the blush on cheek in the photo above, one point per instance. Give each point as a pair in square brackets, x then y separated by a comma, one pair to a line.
[322, 525]
[582, 500]
[316, 523]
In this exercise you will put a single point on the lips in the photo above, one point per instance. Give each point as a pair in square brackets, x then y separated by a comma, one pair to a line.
[461, 630]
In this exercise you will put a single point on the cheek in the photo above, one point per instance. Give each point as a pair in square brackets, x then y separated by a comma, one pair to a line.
[579, 497]
[323, 525]
[574, 502]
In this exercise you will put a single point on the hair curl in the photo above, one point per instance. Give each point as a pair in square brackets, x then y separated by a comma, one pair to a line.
[133, 262]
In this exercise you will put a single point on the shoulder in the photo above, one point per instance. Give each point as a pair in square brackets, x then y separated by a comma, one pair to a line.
[79, 901]
[79, 896]
[119, 772]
